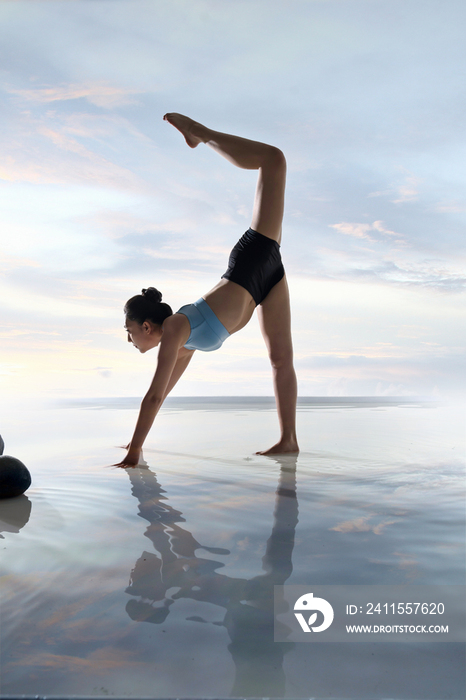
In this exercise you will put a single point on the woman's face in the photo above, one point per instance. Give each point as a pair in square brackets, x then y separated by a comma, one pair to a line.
[144, 337]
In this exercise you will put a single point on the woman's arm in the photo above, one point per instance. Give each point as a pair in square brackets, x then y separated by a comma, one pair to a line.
[184, 358]
[171, 363]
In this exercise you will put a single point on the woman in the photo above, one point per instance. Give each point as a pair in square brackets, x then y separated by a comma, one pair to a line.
[255, 278]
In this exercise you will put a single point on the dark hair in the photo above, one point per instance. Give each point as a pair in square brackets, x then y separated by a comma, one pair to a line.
[147, 306]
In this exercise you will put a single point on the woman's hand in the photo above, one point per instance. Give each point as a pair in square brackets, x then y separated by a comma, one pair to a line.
[131, 459]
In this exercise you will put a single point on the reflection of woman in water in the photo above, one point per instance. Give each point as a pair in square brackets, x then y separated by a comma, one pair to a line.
[179, 572]
[255, 278]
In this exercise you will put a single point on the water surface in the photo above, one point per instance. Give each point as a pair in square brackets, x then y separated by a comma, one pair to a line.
[158, 581]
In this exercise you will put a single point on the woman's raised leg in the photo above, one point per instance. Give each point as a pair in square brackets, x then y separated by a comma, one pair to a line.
[269, 201]
[275, 322]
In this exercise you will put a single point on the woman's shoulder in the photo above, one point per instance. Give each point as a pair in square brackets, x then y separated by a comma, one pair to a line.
[176, 327]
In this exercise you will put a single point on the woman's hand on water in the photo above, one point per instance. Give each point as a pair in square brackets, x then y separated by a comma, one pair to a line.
[131, 459]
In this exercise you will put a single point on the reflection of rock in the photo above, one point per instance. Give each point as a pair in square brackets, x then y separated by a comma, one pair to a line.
[2, 445]
[15, 478]
[14, 514]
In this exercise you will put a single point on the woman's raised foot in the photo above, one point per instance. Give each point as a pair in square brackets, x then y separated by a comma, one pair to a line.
[192, 131]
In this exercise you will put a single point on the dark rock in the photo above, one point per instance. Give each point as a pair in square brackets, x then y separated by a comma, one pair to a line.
[2, 445]
[14, 477]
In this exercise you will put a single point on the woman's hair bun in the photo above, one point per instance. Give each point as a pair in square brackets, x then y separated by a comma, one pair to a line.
[147, 306]
[152, 294]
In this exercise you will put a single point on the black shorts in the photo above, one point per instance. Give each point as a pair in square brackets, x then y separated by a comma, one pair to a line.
[256, 264]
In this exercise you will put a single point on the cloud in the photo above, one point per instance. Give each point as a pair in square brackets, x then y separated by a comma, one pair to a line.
[8, 262]
[57, 147]
[89, 165]
[98, 94]
[450, 207]
[407, 193]
[359, 230]
[198, 254]
[355, 230]
[411, 274]
[67, 161]
[401, 192]
[379, 226]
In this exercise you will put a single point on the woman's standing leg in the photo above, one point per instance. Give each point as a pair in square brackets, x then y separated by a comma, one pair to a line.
[275, 321]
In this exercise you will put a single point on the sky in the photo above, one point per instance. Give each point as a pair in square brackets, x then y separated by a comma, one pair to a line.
[99, 197]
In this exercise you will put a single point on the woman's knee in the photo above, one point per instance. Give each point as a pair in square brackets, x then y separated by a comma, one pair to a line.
[281, 358]
[275, 158]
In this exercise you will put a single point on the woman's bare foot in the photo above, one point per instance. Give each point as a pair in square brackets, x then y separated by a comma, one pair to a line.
[282, 447]
[193, 132]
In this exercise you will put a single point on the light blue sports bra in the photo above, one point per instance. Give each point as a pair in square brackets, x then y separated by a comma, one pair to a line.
[207, 333]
